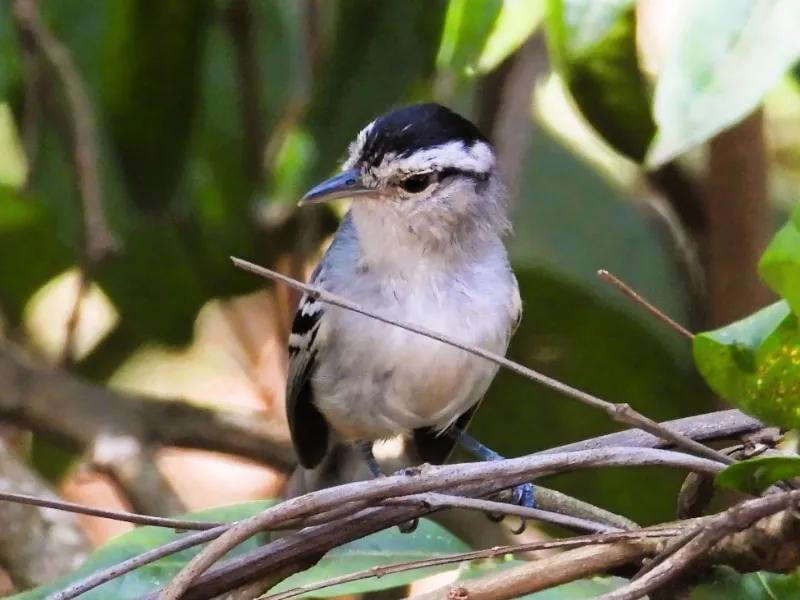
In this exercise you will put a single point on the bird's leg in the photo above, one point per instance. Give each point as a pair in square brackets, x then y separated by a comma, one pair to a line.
[523, 494]
[365, 449]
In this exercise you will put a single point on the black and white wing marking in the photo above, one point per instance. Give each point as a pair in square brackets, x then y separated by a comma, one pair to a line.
[308, 427]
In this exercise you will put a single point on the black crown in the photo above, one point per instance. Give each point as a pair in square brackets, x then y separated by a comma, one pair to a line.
[417, 127]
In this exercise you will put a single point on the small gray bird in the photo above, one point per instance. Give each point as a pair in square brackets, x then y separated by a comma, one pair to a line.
[421, 243]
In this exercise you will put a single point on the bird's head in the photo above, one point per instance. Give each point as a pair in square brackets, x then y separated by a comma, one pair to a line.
[421, 163]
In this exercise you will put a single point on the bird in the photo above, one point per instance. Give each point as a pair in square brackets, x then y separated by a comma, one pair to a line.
[423, 242]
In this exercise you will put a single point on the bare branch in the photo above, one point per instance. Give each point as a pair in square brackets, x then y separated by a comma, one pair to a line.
[99, 241]
[36, 545]
[633, 295]
[474, 479]
[619, 412]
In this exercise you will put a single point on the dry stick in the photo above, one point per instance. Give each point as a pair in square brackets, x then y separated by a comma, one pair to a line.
[128, 517]
[633, 295]
[621, 413]
[585, 540]
[98, 238]
[69, 350]
[482, 478]
[734, 519]
[433, 500]
[732, 422]
[190, 541]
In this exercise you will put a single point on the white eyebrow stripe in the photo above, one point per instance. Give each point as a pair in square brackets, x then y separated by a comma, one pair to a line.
[355, 149]
[478, 158]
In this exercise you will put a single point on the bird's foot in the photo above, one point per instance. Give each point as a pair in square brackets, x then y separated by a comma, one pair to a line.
[365, 448]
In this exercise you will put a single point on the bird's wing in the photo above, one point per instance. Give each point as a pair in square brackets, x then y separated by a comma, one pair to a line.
[307, 425]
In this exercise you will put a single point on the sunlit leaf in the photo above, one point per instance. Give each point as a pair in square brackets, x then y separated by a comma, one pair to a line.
[755, 364]
[466, 28]
[593, 46]
[780, 265]
[722, 59]
[757, 474]
[517, 21]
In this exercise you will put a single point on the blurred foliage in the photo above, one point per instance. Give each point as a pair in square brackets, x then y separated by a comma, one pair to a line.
[214, 113]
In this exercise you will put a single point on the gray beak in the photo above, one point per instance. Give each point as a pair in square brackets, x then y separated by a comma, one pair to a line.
[344, 185]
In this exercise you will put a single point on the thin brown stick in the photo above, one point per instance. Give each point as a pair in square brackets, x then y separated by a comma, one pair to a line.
[586, 540]
[69, 350]
[622, 413]
[474, 479]
[638, 299]
[736, 518]
[114, 515]
[99, 241]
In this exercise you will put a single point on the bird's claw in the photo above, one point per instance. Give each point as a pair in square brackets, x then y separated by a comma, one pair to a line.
[408, 526]
[523, 495]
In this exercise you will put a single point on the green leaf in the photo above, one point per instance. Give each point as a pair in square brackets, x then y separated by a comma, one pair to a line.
[723, 58]
[755, 364]
[757, 474]
[780, 264]
[467, 26]
[478, 36]
[382, 548]
[517, 21]
[727, 584]
[593, 45]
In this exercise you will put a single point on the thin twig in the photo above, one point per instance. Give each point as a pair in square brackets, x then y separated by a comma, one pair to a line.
[115, 515]
[434, 500]
[734, 519]
[69, 350]
[99, 241]
[637, 298]
[381, 571]
[474, 479]
[622, 413]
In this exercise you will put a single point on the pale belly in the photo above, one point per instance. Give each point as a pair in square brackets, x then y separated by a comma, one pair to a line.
[392, 381]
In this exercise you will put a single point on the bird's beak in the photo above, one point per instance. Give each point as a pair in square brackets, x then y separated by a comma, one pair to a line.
[344, 185]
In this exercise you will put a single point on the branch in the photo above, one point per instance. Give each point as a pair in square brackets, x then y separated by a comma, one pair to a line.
[36, 545]
[622, 413]
[88, 413]
[99, 241]
[473, 479]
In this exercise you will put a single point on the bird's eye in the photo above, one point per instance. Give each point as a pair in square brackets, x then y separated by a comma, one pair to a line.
[417, 183]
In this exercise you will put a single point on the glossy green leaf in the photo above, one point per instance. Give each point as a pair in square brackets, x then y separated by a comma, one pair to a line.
[593, 46]
[757, 474]
[755, 364]
[722, 59]
[518, 20]
[780, 264]
[381, 548]
[727, 584]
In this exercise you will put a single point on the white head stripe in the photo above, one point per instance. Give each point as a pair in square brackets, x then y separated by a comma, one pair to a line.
[478, 158]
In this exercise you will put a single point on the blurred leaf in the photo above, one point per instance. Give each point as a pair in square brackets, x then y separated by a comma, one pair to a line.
[152, 64]
[593, 45]
[755, 364]
[755, 475]
[722, 59]
[727, 584]
[27, 230]
[379, 66]
[467, 26]
[517, 21]
[381, 548]
[780, 264]
[569, 222]
[478, 36]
